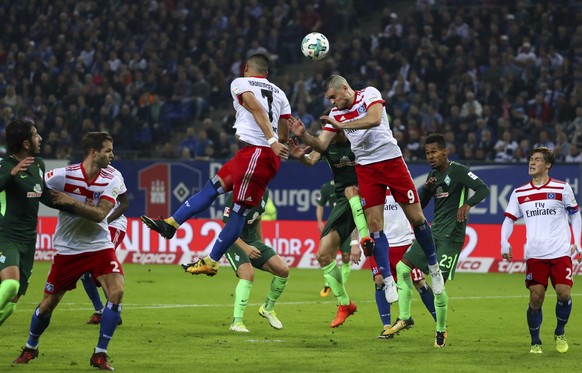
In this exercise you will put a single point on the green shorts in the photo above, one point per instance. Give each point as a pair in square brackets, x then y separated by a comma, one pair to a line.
[342, 220]
[20, 255]
[236, 256]
[346, 248]
[447, 256]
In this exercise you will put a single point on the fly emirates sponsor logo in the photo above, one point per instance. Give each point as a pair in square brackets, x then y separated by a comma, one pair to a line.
[539, 209]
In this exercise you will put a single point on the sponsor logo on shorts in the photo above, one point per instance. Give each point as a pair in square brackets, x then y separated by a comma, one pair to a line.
[363, 202]
[2, 259]
[529, 277]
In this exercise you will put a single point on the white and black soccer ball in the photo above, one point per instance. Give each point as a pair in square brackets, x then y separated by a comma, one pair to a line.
[315, 46]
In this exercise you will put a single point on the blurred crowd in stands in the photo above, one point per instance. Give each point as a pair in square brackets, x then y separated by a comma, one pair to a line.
[496, 77]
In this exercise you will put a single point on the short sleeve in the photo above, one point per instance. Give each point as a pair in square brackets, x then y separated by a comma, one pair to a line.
[372, 96]
[238, 87]
[122, 187]
[55, 179]
[512, 210]
[112, 190]
[285, 107]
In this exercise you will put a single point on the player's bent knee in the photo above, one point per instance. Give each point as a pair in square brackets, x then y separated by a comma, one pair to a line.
[245, 272]
[563, 294]
[283, 272]
[324, 259]
[116, 296]
[351, 191]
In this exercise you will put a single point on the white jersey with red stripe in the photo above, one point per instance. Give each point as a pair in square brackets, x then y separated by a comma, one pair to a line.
[369, 145]
[272, 99]
[76, 234]
[545, 210]
[396, 227]
[121, 222]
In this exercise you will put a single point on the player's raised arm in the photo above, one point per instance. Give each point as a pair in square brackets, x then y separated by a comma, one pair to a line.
[319, 143]
[303, 154]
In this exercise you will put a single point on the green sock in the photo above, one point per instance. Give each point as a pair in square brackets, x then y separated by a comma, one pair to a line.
[346, 268]
[405, 287]
[441, 304]
[359, 217]
[6, 311]
[277, 286]
[241, 298]
[8, 290]
[333, 276]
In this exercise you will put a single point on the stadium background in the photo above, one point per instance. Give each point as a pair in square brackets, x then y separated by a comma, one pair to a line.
[156, 74]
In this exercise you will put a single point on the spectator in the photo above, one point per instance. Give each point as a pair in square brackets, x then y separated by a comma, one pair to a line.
[201, 91]
[11, 99]
[182, 95]
[486, 145]
[203, 142]
[519, 156]
[189, 144]
[505, 147]
[168, 151]
[544, 140]
[574, 155]
[471, 106]
[211, 132]
[304, 116]
[525, 54]
[540, 109]
[222, 146]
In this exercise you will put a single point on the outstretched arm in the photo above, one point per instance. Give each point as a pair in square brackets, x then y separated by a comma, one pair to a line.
[299, 152]
[319, 143]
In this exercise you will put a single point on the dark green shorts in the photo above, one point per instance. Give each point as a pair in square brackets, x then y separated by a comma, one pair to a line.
[346, 248]
[236, 256]
[447, 256]
[341, 219]
[20, 255]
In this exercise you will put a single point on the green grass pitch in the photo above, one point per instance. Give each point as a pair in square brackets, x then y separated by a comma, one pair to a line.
[174, 322]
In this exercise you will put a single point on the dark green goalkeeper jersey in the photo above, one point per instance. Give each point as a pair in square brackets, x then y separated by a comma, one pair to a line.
[19, 200]
[249, 232]
[342, 162]
[451, 191]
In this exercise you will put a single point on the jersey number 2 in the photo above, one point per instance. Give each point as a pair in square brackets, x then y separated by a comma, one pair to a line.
[269, 96]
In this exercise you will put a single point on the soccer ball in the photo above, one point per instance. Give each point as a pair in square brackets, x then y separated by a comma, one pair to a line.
[315, 46]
